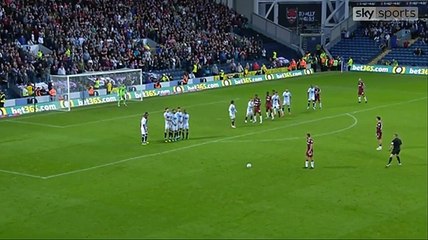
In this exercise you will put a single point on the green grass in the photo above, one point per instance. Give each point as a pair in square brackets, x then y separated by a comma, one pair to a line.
[89, 177]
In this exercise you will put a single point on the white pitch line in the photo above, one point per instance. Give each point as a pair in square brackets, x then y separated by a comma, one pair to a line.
[204, 143]
[190, 146]
[34, 123]
[389, 105]
[21, 174]
[223, 139]
[355, 122]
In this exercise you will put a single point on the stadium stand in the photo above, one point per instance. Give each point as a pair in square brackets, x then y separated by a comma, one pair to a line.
[360, 47]
[411, 54]
[87, 35]
[372, 38]
[415, 55]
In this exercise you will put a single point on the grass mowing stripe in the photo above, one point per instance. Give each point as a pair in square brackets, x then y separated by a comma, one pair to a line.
[187, 147]
[18, 120]
[204, 143]
[354, 123]
[134, 115]
[223, 139]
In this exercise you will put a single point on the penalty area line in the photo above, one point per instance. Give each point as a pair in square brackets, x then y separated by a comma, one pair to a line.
[34, 123]
[353, 124]
[21, 174]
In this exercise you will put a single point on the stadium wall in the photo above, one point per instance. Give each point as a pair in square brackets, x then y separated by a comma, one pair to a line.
[195, 86]
[244, 7]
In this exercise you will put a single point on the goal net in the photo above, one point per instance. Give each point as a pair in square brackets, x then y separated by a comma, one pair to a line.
[96, 87]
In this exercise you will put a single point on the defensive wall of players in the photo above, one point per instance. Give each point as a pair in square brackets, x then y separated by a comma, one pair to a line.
[194, 85]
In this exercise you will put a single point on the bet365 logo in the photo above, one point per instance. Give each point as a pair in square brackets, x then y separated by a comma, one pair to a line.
[399, 70]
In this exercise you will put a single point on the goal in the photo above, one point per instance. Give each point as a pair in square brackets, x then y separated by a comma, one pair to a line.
[96, 87]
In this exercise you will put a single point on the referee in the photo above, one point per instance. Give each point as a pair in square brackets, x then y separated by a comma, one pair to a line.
[395, 149]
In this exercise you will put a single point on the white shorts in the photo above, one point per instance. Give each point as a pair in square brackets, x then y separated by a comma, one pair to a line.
[311, 98]
[143, 131]
[276, 106]
[250, 113]
[180, 125]
[287, 103]
[186, 126]
[232, 116]
[167, 126]
[174, 127]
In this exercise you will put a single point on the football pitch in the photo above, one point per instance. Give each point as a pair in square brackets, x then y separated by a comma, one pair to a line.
[85, 174]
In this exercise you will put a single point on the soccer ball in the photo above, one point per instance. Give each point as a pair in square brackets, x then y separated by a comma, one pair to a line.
[249, 165]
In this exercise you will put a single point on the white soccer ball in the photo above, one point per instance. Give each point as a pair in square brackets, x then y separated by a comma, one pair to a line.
[249, 165]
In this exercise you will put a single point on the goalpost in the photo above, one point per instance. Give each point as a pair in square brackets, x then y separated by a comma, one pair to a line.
[96, 87]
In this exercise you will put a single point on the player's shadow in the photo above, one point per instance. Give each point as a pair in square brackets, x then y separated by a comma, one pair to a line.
[204, 137]
[341, 167]
[194, 139]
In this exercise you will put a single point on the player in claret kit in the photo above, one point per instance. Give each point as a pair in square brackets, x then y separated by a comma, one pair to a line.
[250, 110]
[309, 151]
[268, 105]
[361, 91]
[257, 110]
[379, 126]
[318, 97]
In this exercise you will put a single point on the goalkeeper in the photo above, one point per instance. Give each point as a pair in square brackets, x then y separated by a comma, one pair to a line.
[121, 94]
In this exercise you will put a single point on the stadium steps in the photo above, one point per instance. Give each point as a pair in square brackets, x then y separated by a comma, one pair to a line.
[380, 56]
[405, 56]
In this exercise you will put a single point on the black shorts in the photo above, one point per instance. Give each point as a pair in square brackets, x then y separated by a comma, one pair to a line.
[395, 151]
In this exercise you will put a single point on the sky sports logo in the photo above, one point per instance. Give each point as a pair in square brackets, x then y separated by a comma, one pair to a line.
[385, 13]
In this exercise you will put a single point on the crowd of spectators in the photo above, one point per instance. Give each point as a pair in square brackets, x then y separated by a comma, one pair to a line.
[100, 35]
[381, 32]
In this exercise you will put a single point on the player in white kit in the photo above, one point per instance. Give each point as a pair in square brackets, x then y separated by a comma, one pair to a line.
[180, 123]
[144, 129]
[232, 113]
[186, 118]
[276, 104]
[250, 110]
[174, 125]
[167, 118]
[286, 95]
[311, 97]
